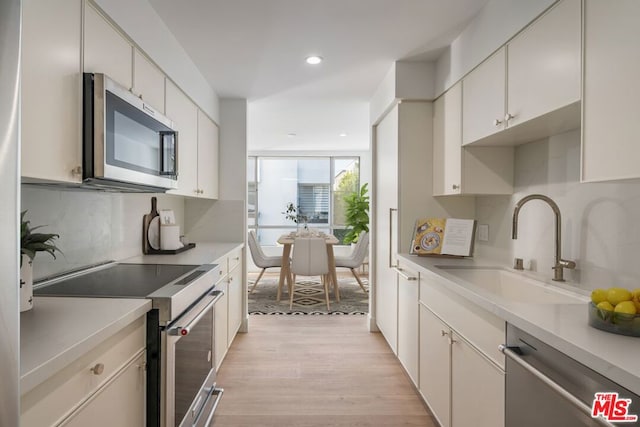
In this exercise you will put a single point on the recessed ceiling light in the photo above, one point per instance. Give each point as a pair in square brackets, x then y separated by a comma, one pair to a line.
[291, 135]
[314, 60]
[343, 134]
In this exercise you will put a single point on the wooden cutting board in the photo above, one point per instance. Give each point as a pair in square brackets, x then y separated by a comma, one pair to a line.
[146, 222]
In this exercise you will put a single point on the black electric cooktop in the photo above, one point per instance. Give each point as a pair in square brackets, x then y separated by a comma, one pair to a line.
[117, 281]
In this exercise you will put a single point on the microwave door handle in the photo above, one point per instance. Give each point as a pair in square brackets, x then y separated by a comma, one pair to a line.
[173, 156]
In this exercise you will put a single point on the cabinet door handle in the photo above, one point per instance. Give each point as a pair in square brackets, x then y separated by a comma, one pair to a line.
[497, 122]
[77, 171]
[455, 187]
[443, 333]
[508, 117]
[98, 369]
[403, 274]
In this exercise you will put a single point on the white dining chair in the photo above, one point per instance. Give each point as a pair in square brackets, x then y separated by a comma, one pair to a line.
[354, 260]
[310, 259]
[260, 259]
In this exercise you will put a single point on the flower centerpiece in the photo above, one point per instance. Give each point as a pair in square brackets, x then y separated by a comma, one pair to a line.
[30, 244]
[293, 213]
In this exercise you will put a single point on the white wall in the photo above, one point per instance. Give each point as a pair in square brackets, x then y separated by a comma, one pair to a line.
[406, 80]
[600, 226]
[496, 23]
[140, 21]
[93, 226]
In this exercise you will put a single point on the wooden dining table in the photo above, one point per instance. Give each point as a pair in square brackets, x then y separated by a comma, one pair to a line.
[287, 241]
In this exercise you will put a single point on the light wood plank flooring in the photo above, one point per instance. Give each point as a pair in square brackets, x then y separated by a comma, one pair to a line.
[306, 371]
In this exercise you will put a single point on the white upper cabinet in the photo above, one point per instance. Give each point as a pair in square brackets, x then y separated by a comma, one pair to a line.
[208, 150]
[51, 90]
[447, 142]
[465, 170]
[543, 63]
[148, 82]
[105, 49]
[610, 128]
[184, 115]
[483, 108]
[529, 89]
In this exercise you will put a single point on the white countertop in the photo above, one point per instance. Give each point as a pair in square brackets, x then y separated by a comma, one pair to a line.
[203, 253]
[563, 326]
[59, 330]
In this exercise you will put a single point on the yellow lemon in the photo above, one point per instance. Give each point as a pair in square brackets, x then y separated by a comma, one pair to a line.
[626, 307]
[605, 305]
[618, 295]
[636, 302]
[598, 295]
[636, 293]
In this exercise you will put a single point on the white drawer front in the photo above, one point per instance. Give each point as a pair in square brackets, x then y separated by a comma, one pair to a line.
[50, 402]
[484, 330]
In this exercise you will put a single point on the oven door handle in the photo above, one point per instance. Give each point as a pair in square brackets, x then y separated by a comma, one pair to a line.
[511, 354]
[217, 392]
[184, 330]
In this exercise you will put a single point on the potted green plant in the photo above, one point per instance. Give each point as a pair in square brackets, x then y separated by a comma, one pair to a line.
[30, 244]
[357, 213]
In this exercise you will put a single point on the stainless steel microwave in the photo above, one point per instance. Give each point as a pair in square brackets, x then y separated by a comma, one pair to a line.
[127, 145]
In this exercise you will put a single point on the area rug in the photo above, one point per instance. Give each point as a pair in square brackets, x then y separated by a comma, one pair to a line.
[308, 298]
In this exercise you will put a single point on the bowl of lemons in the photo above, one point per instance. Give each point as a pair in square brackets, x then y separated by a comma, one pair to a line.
[616, 310]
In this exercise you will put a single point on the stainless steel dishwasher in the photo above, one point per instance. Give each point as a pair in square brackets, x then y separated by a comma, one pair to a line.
[545, 387]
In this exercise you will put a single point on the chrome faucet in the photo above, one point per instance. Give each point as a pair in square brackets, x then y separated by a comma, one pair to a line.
[560, 263]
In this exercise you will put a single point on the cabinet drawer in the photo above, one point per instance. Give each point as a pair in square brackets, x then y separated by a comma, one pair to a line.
[120, 403]
[50, 402]
[234, 259]
[483, 329]
[223, 269]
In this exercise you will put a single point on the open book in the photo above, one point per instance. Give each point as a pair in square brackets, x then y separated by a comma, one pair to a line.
[443, 236]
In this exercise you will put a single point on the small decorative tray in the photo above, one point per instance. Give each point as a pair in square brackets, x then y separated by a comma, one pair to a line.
[186, 247]
[617, 323]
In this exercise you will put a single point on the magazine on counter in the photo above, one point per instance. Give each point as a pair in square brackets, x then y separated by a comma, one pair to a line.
[443, 236]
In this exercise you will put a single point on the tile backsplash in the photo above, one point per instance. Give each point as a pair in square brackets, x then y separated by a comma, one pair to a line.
[600, 221]
[93, 226]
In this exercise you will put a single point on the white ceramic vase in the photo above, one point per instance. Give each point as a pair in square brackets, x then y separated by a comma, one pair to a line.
[26, 284]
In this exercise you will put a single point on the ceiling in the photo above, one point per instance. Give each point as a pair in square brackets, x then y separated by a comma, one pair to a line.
[255, 49]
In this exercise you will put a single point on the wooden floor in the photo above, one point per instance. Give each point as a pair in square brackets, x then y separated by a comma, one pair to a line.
[305, 371]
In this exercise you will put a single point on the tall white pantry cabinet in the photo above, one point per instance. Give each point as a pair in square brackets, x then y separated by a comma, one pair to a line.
[403, 184]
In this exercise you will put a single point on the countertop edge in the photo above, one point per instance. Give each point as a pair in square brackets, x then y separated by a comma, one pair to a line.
[565, 344]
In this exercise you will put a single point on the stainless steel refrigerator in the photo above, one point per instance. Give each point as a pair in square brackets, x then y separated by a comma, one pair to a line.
[10, 20]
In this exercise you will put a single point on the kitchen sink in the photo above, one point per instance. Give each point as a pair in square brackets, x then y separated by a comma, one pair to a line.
[514, 287]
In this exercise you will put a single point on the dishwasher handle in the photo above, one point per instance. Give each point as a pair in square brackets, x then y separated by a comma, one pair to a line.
[512, 353]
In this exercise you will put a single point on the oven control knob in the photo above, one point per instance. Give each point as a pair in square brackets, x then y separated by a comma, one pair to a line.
[179, 331]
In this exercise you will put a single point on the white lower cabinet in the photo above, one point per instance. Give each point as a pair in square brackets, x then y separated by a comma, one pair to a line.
[408, 286]
[104, 387]
[236, 302]
[100, 411]
[461, 369]
[435, 366]
[229, 311]
[477, 387]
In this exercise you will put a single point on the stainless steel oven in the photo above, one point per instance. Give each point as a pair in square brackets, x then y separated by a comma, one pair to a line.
[181, 377]
[191, 395]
